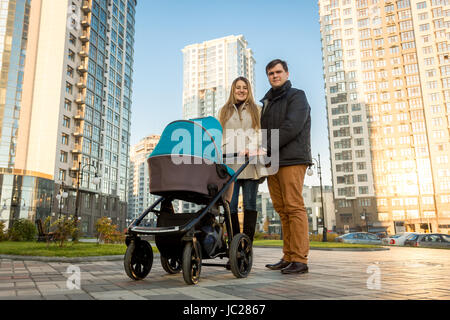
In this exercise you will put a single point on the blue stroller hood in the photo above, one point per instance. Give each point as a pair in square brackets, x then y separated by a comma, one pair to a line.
[195, 137]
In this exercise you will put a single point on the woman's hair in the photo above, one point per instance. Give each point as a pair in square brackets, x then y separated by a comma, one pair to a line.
[227, 110]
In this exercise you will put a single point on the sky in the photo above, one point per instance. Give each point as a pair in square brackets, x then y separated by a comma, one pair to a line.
[285, 29]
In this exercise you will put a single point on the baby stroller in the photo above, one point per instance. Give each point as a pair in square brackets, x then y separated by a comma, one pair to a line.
[187, 164]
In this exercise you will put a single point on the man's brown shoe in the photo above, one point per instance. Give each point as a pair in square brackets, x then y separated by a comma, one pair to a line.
[279, 265]
[295, 267]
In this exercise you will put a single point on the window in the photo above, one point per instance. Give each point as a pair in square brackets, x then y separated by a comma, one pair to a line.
[66, 122]
[69, 88]
[63, 157]
[71, 55]
[65, 139]
[362, 178]
[422, 5]
[423, 16]
[360, 153]
[62, 175]
[68, 105]
[363, 190]
[70, 71]
[72, 39]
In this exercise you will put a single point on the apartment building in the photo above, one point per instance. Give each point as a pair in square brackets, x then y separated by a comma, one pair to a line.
[71, 120]
[209, 68]
[139, 198]
[312, 196]
[386, 71]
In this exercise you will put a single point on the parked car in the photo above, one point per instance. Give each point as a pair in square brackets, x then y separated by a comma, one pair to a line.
[382, 235]
[432, 240]
[398, 239]
[360, 238]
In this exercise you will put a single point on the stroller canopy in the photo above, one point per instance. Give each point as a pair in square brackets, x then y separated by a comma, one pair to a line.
[195, 137]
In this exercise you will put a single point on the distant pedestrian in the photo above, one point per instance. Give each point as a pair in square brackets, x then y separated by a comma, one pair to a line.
[286, 109]
[240, 120]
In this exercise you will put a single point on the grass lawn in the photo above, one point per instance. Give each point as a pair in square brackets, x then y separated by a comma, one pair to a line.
[70, 250]
[83, 249]
[314, 244]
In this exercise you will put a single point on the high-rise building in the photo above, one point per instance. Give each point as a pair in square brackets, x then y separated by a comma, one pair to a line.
[66, 119]
[209, 68]
[139, 198]
[387, 75]
[313, 204]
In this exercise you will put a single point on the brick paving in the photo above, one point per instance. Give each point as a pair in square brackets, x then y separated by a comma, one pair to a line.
[396, 274]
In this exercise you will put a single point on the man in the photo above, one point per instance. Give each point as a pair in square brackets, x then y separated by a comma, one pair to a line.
[287, 109]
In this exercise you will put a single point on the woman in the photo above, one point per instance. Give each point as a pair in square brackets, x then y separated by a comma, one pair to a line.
[240, 120]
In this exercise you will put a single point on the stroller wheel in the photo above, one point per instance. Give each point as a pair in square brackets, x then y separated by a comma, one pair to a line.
[192, 263]
[241, 255]
[138, 259]
[171, 265]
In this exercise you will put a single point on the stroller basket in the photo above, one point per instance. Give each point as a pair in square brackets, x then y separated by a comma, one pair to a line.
[190, 167]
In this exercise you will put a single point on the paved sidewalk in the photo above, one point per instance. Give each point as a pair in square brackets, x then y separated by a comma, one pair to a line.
[400, 273]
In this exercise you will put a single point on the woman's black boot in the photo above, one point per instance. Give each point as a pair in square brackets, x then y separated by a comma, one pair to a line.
[250, 218]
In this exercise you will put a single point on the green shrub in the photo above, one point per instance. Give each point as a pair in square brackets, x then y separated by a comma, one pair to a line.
[318, 237]
[271, 236]
[63, 228]
[22, 230]
[3, 235]
[259, 235]
[108, 232]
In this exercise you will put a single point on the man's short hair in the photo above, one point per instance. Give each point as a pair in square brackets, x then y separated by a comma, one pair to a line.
[273, 63]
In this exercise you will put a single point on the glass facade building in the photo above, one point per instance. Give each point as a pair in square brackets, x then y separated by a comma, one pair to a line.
[106, 131]
[14, 24]
[65, 117]
[386, 71]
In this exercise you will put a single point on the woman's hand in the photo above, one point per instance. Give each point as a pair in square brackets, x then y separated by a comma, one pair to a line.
[244, 153]
[259, 152]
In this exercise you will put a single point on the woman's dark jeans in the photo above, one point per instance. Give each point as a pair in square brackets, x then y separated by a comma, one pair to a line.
[249, 191]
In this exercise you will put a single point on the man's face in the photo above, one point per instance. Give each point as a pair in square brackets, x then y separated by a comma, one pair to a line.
[277, 76]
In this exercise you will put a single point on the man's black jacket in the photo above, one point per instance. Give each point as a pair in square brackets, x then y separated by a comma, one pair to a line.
[288, 110]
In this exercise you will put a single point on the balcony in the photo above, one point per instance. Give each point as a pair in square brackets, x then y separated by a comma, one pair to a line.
[78, 132]
[83, 53]
[84, 37]
[76, 149]
[86, 7]
[79, 116]
[82, 69]
[80, 100]
[80, 84]
[85, 22]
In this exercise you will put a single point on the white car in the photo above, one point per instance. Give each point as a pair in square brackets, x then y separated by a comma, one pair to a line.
[398, 239]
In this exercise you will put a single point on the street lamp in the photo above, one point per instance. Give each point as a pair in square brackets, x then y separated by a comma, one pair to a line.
[95, 181]
[319, 172]
[60, 196]
[365, 218]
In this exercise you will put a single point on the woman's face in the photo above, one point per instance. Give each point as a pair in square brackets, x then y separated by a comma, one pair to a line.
[241, 91]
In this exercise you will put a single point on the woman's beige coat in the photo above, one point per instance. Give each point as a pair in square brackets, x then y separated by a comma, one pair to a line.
[239, 135]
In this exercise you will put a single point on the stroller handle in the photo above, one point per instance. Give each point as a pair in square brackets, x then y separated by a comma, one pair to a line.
[231, 155]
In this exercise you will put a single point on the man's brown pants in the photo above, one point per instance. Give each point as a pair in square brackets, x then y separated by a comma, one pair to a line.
[286, 189]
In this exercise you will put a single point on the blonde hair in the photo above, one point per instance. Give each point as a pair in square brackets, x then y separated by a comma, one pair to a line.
[227, 110]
